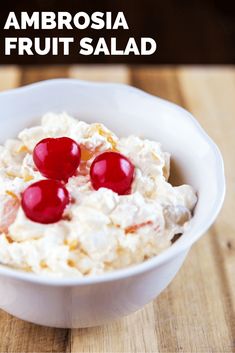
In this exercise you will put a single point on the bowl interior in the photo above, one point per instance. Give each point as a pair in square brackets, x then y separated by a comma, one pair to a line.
[126, 111]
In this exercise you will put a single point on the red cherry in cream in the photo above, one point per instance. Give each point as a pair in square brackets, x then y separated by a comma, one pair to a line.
[45, 201]
[57, 158]
[113, 171]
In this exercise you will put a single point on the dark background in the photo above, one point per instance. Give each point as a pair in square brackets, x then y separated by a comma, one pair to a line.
[186, 32]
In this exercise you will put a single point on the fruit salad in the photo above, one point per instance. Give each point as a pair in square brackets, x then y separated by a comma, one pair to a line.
[76, 200]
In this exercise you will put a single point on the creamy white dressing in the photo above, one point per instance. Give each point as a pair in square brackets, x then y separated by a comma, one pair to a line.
[100, 231]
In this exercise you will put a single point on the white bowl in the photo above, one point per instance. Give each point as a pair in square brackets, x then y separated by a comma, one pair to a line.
[91, 301]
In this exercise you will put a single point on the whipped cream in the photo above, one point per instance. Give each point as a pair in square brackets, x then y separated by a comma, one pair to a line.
[101, 231]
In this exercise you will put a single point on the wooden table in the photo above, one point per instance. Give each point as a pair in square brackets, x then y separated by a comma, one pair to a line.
[196, 313]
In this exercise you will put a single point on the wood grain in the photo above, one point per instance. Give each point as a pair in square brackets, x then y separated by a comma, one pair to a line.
[196, 312]
[9, 77]
[33, 74]
[110, 73]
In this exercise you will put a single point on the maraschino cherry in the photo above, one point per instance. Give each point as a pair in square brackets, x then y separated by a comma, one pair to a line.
[112, 170]
[45, 201]
[57, 158]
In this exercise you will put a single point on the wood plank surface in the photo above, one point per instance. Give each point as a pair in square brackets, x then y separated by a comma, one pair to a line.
[196, 313]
